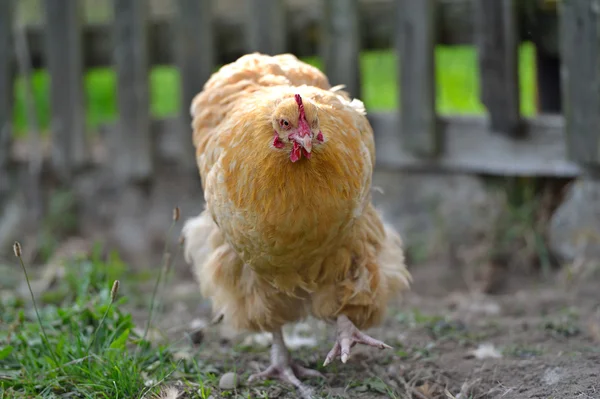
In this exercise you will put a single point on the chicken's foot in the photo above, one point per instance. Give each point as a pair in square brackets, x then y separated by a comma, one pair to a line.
[348, 336]
[284, 368]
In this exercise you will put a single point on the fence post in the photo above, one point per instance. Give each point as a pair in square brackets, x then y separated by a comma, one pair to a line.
[415, 41]
[133, 142]
[196, 60]
[497, 43]
[67, 99]
[6, 93]
[341, 44]
[265, 26]
[580, 54]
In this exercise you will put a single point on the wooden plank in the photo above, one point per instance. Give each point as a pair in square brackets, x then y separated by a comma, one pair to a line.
[195, 58]
[67, 99]
[6, 93]
[132, 145]
[265, 26]
[580, 46]
[415, 40]
[498, 54]
[30, 185]
[341, 44]
[472, 147]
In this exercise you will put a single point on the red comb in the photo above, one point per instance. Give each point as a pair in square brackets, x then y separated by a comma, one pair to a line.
[300, 106]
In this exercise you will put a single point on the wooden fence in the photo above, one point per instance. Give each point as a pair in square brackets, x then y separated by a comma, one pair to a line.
[415, 137]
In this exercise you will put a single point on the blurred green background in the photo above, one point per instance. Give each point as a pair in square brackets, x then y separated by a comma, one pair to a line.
[456, 74]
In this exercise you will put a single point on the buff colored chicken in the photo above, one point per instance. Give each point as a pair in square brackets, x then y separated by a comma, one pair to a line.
[289, 229]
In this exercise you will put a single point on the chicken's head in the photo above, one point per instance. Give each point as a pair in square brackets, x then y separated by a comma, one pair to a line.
[296, 126]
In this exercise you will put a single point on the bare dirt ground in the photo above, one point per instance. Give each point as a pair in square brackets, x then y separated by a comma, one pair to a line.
[534, 340]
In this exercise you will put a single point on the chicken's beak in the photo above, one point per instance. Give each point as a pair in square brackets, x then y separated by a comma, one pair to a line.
[304, 140]
[306, 143]
[305, 136]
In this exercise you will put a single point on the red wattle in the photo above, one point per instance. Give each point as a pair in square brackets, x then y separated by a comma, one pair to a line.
[277, 143]
[296, 153]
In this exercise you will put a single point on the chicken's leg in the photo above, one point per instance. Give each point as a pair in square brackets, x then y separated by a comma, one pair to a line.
[348, 336]
[284, 368]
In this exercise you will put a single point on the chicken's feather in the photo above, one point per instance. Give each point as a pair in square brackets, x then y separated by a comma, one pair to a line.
[278, 235]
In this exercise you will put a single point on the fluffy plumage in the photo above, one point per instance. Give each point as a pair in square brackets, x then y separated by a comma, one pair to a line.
[280, 240]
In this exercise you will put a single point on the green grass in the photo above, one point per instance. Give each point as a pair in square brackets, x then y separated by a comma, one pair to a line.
[84, 343]
[66, 366]
[456, 74]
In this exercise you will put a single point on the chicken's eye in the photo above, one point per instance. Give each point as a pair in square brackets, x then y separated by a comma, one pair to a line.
[284, 124]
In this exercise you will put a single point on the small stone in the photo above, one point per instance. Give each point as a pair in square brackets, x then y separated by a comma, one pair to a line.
[228, 381]
[575, 225]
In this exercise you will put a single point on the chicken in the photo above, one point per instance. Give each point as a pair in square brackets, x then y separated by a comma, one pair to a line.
[289, 229]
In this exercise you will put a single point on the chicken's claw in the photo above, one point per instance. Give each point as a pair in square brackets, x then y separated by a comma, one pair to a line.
[284, 369]
[288, 374]
[348, 336]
